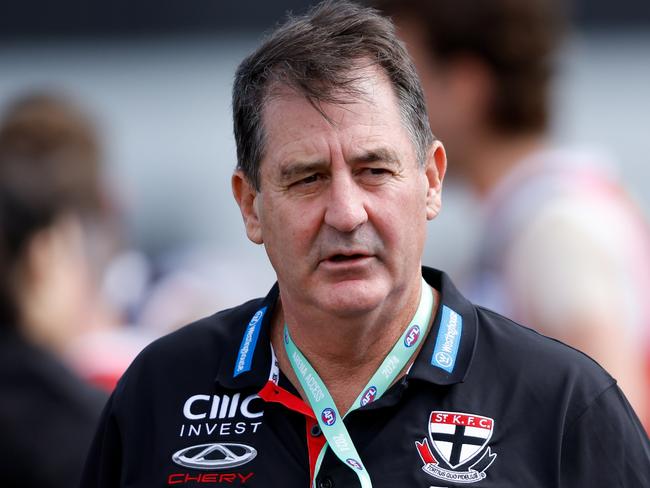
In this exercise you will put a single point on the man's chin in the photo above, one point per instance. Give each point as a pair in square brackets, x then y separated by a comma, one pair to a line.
[352, 297]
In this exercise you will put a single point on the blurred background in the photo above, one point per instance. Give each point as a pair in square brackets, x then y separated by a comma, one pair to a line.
[157, 76]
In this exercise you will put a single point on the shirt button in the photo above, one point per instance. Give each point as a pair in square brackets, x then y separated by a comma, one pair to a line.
[315, 430]
[325, 482]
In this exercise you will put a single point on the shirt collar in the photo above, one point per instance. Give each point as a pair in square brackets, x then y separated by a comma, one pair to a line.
[446, 356]
[246, 359]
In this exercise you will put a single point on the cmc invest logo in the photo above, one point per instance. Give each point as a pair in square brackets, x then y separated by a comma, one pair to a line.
[214, 456]
[198, 407]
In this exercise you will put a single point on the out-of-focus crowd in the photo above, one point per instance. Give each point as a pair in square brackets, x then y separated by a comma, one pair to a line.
[564, 249]
[77, 302]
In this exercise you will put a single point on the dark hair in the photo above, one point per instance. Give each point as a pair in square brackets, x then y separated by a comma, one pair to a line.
[49, 165]
[319, 54]
[516, 39]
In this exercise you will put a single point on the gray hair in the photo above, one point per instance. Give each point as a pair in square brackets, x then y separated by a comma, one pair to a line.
[319, 55]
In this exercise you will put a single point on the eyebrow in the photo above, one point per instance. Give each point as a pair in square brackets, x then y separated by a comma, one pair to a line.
[294, 169]
[374, 155]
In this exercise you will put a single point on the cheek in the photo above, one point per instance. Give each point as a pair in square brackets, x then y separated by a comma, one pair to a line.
[401, 220]
[288, 228]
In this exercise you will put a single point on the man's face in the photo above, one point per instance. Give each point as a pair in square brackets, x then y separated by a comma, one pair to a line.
[343, 205]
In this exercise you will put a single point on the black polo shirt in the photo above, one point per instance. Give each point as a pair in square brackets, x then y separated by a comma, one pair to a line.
[487, 403]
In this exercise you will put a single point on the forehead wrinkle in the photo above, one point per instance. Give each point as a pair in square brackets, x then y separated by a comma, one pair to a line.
[294, 167]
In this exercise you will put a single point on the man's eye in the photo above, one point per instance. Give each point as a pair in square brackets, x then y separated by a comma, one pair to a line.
[375, 172]
[307, 180]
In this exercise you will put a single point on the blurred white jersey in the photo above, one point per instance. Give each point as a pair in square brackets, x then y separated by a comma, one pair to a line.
[561, 235]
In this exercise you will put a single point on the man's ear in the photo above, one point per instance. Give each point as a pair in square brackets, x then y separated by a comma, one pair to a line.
[246, 197]
[436, 166]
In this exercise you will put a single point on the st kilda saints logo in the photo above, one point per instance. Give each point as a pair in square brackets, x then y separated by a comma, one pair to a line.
[458, 451]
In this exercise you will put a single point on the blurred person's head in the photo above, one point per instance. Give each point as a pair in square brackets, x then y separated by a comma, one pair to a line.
[485, 67]
[50, 191]
[323, 57]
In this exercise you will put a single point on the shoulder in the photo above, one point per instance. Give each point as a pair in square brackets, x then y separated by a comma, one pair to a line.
[151, 407]
[558, 400]
[533, 364]
[203, 334]
[197, 348]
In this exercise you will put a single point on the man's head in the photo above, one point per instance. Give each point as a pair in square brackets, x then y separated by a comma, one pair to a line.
[485, 66]
[338, 171]
[319, 55]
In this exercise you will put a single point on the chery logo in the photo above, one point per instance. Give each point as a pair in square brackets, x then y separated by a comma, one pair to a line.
[214, 456]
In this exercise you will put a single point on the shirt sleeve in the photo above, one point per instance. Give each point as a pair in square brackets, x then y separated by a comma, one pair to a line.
[606, 446]
[104, 462]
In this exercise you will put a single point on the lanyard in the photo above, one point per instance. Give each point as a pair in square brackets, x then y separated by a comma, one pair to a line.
[321, 402]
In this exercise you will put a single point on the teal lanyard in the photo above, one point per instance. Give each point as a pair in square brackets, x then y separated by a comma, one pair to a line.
[320, 400]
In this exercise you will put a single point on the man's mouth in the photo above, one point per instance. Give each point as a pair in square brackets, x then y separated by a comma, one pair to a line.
[338, 258]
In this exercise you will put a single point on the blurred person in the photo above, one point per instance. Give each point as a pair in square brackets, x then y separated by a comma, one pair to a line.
[101, 351]
[49, 192]
[563, 249]
[360, 367]
[53, 172]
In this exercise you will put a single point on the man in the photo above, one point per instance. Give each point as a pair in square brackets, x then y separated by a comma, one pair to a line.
[338, 175]
[563, 249]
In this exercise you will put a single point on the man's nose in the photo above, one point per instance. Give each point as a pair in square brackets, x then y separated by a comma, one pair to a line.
[345, 209]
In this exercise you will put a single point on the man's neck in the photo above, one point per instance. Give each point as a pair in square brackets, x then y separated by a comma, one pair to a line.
[345, 353]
